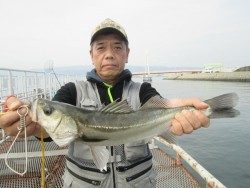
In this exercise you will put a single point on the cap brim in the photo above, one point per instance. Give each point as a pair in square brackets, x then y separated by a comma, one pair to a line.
[106, 31]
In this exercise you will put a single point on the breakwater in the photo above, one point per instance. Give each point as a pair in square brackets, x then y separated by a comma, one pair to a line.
[243, 76]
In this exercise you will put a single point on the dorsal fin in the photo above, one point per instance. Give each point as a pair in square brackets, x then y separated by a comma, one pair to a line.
[156, 102]
[117, 107]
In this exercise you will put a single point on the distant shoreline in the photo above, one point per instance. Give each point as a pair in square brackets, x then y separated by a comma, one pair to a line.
[219, 76]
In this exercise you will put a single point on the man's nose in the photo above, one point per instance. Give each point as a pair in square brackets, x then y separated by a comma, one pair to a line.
[109, 53]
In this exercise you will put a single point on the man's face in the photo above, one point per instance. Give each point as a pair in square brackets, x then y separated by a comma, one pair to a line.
[109, 55]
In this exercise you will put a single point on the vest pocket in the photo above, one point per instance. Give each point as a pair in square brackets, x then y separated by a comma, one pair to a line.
[136, 150]
[135, 176]
[88, 104]
[142, 178]
[77, 177]
[87, 180]
[133, 165]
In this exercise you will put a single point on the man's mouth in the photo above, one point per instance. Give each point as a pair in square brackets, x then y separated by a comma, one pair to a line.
[109, 66]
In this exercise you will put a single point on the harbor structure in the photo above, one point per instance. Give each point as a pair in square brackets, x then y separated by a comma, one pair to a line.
[235, 75]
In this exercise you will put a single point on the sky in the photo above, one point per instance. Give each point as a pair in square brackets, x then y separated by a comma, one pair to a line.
[172, 33]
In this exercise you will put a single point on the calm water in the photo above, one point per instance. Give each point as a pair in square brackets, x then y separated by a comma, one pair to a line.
[223, 148]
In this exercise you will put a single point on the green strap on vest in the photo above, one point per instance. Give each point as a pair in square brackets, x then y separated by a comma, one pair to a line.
[109, 92]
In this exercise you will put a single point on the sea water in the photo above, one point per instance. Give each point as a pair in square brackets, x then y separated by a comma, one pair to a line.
[224, 147]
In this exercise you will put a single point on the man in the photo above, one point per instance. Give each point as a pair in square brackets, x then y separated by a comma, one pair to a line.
[130, 165]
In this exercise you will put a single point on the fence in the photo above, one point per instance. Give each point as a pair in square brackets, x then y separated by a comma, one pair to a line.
[27, 84]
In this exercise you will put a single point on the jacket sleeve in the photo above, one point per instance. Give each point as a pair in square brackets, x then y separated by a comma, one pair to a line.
[146, 92]
[66, 94]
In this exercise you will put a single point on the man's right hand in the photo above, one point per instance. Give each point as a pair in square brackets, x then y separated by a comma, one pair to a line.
[9, 121]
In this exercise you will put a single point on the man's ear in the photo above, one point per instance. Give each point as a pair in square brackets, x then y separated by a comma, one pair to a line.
[91, 55]
[128, 50]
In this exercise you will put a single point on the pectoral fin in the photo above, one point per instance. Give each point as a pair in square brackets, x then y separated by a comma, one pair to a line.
[100, 157]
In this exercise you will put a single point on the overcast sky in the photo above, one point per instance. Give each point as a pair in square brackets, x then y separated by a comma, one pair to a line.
[175, 33]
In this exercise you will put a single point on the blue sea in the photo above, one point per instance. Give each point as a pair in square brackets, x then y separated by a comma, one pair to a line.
[224, 147]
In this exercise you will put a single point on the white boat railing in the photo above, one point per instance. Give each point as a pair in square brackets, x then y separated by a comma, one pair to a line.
[210, 180]
[28, 85]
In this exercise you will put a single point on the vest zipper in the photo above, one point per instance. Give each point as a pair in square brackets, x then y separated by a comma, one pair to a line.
[88, 168]
[125, 168]
[112, 164]
[90, 181]
[128, 179]
[109, 87]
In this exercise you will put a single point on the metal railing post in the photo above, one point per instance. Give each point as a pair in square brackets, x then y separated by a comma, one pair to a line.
[10, 84]
[44, 85]
[50, 88]
[36, 85]
[25, 85]
[1, 87]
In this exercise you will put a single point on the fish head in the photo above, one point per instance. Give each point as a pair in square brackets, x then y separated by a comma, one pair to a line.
[54, 119]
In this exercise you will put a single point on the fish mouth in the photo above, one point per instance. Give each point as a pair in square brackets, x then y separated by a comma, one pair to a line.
[34, 111]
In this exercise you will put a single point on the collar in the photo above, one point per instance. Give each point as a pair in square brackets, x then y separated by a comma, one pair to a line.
[93, 77]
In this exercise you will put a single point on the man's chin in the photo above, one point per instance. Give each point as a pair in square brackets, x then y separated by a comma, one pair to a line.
[110, 75]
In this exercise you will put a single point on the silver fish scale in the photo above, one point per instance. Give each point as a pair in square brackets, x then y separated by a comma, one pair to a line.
[125, 121]
[124, 127]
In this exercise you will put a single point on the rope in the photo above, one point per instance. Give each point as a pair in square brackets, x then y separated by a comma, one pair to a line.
[21, 127]
[43, 160]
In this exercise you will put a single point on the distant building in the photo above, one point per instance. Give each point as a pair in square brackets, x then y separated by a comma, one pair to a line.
[210, 68]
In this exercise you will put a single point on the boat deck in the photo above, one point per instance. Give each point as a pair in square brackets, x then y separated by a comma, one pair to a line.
[169, 174]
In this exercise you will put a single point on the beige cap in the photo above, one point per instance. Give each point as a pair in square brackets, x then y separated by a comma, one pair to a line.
[108, 26]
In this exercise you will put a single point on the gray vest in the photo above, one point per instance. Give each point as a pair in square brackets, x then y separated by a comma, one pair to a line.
[125, 160]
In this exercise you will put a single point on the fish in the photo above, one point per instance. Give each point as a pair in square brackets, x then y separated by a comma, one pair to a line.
[117, 123]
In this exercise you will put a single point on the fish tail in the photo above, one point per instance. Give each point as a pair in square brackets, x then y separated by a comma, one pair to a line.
[225, 101]
[222, 106]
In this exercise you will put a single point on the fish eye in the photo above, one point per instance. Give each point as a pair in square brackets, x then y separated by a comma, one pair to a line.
[48, 110]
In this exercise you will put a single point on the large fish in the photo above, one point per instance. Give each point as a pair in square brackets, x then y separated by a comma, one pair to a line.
[117, 123]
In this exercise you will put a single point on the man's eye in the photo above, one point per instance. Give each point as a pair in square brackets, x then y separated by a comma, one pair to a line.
[100, 48]
[118, 47]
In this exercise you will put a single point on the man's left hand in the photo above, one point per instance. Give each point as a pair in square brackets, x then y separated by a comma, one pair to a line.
[186, 121]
